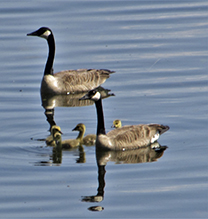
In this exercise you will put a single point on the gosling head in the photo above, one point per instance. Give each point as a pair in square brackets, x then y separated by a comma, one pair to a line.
[43, 32]
[116, 124]
[56, 133]
[79, 127]
[93, 95]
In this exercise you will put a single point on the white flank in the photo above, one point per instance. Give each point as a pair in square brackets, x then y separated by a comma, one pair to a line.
[155, 137]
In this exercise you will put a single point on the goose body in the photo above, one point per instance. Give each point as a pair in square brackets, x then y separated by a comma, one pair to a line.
[126, 137]
[69, 81]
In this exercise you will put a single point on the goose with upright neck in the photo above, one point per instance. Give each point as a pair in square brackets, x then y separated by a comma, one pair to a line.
[69, 81]
[124, 138]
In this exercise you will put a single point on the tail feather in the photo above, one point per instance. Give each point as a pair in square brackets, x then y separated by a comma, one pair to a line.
[163, 128]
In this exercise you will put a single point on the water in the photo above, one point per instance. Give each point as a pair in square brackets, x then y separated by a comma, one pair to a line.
[159, 52]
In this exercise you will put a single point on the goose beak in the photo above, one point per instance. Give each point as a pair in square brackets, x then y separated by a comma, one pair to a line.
[85, 97]
[32, 34]
[74, 129]
[60, 132]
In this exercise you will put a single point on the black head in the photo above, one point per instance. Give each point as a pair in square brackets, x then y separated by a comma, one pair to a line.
[43, 32]
[92, 95]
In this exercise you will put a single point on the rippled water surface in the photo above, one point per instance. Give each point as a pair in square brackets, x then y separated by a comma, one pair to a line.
[159, 51]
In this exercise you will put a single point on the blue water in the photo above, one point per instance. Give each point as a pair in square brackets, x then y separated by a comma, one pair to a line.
[159, 51]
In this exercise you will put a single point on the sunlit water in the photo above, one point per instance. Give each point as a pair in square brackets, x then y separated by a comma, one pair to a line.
[159, 52]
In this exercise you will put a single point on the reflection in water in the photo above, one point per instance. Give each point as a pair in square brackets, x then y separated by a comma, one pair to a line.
[82, 155]
[57, 150]
[57, 154]
[49, 102]
[56, 157]
[147, 154]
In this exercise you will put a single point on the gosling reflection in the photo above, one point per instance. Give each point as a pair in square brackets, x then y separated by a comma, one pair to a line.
[57, 150]
[59, 145]
[142, 155]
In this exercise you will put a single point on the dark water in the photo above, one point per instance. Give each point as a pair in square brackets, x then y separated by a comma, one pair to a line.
[159, 51]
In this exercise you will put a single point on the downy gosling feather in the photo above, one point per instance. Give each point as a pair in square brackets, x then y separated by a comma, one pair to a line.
[89, 139]
[126, 137]
[69, 81]
[116, 124]
[66, 144]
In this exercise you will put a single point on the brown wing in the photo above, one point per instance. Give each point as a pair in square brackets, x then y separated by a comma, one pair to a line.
[82, 79]
[134, 136]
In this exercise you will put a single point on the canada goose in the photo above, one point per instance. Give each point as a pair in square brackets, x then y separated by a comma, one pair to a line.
[66, 144]
[116, 124]
[88, 139]
[126, 137]
[69, 81]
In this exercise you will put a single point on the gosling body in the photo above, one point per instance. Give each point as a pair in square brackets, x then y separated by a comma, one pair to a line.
[89, 139]
[65, 144]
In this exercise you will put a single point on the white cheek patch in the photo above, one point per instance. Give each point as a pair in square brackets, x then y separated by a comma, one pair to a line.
[96, 96]
[46, 34]
[155, 137]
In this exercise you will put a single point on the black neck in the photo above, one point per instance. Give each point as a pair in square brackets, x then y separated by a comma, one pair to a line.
[100, 118]
[51, 54]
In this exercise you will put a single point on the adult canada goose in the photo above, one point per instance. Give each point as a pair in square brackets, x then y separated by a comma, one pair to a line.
[66, 144]
[88, 139]
[126, 137]
[116, 124]
[69, 81]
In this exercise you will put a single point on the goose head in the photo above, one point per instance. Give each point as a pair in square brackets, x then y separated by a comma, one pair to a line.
[94, 95]
[43, 32]
[116, 124]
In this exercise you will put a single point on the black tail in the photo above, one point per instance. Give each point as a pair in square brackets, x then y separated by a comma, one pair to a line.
[163, 128]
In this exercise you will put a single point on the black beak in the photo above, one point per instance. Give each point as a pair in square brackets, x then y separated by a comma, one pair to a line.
[85, 97]
[60, 132]
[32, 34]
[74, 129]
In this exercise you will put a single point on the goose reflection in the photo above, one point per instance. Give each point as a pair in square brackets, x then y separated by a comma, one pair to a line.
[142, 155]
[49, 102]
